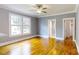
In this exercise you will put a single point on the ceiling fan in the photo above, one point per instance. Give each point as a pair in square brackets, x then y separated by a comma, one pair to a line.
[40, 8]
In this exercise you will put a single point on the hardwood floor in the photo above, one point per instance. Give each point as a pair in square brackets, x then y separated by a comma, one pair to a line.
[40, 46]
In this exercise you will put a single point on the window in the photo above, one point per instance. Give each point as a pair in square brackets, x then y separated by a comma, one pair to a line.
[26, 25]
[19, 25]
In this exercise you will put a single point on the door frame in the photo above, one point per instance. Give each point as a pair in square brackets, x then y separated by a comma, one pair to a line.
[50, 20]
[73, 18]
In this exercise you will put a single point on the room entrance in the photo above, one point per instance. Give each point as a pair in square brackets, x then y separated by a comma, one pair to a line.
[52, 28]
[69, 27]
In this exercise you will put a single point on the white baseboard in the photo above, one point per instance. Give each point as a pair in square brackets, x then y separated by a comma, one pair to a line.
[77, 46]
[43, 36]
[46, 36]
[59, 38]
[20, 39]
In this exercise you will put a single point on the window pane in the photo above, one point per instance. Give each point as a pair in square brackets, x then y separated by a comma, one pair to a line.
[26, 30]
[16, 20]
[15, 30]
[26, 21]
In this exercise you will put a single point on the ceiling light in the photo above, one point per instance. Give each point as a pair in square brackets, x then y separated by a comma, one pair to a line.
[40, 8]
[38, 11]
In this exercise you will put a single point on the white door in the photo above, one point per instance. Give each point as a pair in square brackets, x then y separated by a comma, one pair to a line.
[69, 26]
[52, 28]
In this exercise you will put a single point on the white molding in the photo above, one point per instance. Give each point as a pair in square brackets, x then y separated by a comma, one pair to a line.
[76, 8]
[50, 20]
[77, 46]
[20, 39]
[46, 36]
[73, 18]
[59, 38]
[59, 13]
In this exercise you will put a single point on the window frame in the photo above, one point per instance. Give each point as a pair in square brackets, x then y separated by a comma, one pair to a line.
[26, 25]
[10, 35]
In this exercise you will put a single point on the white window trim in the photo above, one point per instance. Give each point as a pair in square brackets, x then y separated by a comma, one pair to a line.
[22, 34]
[26, 25]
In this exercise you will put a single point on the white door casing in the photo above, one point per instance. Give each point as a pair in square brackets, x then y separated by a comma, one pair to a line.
[69, 27]
[52, 28]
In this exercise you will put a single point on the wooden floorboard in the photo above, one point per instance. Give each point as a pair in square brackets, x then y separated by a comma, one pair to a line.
[40, 46]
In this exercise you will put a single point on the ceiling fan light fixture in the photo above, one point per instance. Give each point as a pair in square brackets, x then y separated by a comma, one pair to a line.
[40, 8]
[38, 11]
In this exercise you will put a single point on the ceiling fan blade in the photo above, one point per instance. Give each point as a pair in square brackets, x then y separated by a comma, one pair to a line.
[39, 6]
[44, 11]
[44, 8]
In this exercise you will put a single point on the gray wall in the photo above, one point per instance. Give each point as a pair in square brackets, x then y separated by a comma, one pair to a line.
[39, 26]
[77, 29]
[4, 26]
[43, 24]
[4, 22]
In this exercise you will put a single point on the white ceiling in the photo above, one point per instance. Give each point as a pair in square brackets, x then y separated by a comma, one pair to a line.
[29, 9]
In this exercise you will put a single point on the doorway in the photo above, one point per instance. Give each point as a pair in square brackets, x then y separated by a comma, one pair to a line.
[52, 28]
[69, 27]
